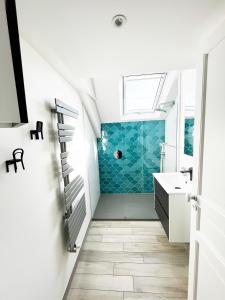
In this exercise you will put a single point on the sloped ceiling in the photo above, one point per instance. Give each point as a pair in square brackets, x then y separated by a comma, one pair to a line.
[109, 99]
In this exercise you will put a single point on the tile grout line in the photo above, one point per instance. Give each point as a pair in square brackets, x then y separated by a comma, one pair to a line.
[114, 269]
[143, 258]
[125, 262]
[93, 289]
[137, 263]
[140, 260]
[133, 282]
[179, 296]
[145, 242]
[134, 275]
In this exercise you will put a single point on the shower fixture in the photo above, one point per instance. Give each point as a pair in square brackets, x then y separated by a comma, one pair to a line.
[160, 109]
[167, 105]
[119, 20]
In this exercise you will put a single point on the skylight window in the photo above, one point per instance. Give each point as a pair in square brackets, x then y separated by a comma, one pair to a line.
[141, 92]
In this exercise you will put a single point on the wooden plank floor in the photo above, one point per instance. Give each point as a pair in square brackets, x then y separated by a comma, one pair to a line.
[130, 260]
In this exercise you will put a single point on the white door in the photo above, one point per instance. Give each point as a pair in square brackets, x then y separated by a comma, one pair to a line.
[207, 252]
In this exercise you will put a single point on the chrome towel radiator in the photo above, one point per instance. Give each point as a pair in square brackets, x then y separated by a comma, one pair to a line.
[74, 196]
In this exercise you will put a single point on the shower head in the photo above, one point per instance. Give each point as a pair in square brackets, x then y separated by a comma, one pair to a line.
[168, 104]
[160, 109]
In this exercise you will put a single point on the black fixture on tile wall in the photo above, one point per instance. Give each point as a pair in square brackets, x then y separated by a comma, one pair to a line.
[17, 158]
[118, 154]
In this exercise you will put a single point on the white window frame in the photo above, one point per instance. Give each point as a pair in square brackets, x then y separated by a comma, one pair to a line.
[162, 77]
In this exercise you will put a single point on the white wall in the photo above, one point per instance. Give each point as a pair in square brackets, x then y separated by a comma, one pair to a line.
[90, 105]
[86, 89]
[108, 98]
[184, 90]
[92, 163]
[33, 258]
[170, 161]
[171, 123]
[188, 98]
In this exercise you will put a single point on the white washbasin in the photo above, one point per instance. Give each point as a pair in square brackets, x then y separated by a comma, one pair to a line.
[173, 183]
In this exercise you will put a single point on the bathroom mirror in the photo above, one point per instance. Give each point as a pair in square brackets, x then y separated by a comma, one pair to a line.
[188, 91]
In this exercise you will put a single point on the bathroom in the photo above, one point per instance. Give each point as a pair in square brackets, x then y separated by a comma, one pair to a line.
[112, 156]
[148, 123]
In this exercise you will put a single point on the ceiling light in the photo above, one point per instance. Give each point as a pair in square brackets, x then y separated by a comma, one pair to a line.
[119, 20]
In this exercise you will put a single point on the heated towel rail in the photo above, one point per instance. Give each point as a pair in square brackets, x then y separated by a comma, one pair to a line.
[74, 196]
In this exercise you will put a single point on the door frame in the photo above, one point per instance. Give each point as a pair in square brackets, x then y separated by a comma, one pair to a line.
[217, 36]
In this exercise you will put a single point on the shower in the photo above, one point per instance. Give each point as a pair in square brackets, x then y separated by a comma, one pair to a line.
[160, 109]
[167, 105]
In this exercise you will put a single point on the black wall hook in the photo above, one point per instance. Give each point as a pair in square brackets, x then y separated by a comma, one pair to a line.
[17, 157]
[39, 128]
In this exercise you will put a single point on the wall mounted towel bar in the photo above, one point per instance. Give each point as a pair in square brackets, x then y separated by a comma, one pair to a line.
[74, 196]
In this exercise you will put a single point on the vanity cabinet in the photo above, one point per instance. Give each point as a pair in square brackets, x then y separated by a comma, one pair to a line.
[174, 213]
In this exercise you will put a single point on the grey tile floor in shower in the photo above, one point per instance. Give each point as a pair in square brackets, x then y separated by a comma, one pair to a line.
[126, 207]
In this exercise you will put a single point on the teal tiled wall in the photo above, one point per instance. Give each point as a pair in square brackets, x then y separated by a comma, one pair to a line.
[188, 136]
[140, 145]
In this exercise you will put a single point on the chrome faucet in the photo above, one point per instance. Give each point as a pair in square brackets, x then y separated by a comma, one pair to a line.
[190, 171]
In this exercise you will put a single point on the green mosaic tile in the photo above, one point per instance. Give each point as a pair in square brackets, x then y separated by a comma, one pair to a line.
[188, 136]
[140, 145]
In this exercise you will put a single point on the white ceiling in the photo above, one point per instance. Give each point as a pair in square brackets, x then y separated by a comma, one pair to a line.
[78, 39]
[77, 36]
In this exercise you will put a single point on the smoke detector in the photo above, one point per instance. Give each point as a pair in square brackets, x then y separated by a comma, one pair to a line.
[119, 20]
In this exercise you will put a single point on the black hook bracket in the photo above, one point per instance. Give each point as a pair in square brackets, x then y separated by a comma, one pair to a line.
[39, 129]
[17, 157]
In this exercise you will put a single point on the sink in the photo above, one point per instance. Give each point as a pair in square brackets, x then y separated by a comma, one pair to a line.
[174, 183]
[171, 192]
